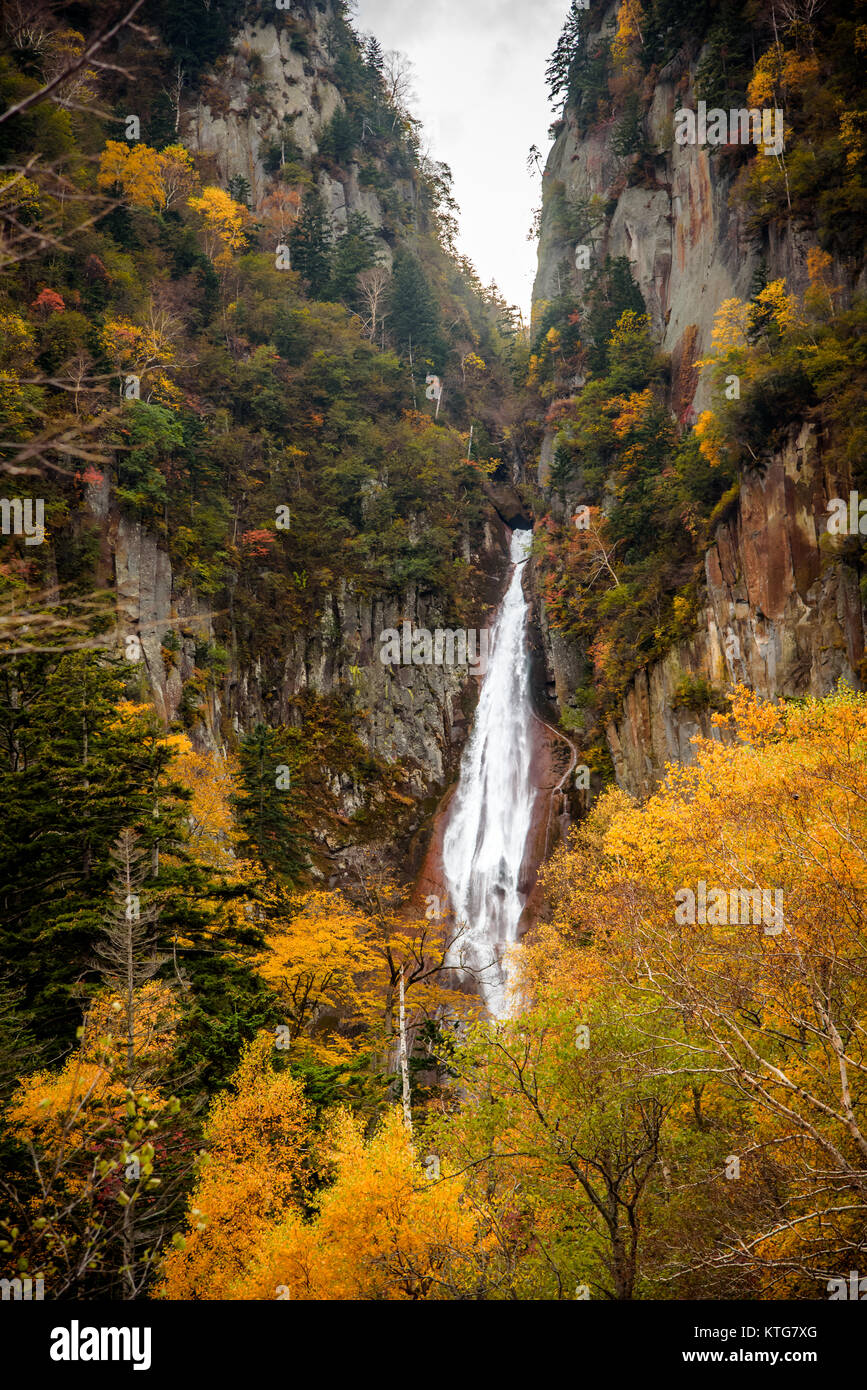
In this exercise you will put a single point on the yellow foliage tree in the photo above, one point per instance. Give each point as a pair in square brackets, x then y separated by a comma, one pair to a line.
[711, 440]
[736, 897]
[90, 1127]
[50, 1106]
[730, 325]
[628, 37]
[257, 1138]
[209, 777]
[224, 222]
[320, 961]
[385, 1228]
[153, 179]
[822, 295]
[144, 350]
[17, 342]
[136, 169]
[337, 967]
[177, 174]
[778, 72]
[775, 305]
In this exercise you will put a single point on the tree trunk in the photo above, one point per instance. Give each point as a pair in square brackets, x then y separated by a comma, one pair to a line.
[404, 1062]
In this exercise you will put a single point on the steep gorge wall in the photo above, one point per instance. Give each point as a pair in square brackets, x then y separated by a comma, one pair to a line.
[267, 92]
[415, 715]
[278, 87]
[780, 614]
[688, 248]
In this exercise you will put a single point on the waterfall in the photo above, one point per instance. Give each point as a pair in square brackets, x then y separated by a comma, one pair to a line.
[490, 813]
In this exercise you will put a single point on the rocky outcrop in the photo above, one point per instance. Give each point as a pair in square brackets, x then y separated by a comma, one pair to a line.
[416, 715]
[687, 247]
[274, 95]
[781, 611]
[509, 504]
[783, 616]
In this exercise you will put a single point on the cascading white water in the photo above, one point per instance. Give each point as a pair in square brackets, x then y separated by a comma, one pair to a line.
[491, 811]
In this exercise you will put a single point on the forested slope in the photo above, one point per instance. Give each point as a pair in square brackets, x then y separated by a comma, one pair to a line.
[231, 296]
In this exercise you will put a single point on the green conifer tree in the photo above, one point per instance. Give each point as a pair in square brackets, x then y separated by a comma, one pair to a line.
[73, 775]
[265, 807]
[310, 245]
[415, 317]
[354, 252]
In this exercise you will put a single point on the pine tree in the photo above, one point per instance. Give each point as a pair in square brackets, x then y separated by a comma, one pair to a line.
[567, 54]
[74, 775]
[239, 188]
[353, 253]
[264, 804]
[310, 245]
[415, 318]
[612, 292]
[339, 138]
[373, 54]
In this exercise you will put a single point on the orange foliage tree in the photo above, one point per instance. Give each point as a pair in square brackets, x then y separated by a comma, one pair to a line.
[771, 991]
[255, 1167]
[382, 1228]
[152, 179]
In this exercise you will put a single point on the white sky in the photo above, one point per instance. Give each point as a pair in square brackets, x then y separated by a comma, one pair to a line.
[479, 74]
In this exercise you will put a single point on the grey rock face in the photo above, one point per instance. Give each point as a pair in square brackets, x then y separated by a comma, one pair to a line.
[781, 615]
[687, 248]
[413, 714]
[267, 92]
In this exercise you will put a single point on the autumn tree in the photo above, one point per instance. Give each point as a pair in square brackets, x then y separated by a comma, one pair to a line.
[419, 959]
[99, 1130]
[224, 223]
[146, 351]
[383, 1227]
[563, 1129]
[773, 1003]
[257, 1139]
[148, 178]
[127, 952]
[372, 287]
[319, 960]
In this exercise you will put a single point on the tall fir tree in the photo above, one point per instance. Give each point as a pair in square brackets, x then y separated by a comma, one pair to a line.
[415, 318]
[74, 774]
[355, 251]
[565, 60]
[310, 245]
[265, 806]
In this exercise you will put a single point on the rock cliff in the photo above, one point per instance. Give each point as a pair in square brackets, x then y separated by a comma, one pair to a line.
[259, 117]
[275, 91]
[414, 715]
[780, 611]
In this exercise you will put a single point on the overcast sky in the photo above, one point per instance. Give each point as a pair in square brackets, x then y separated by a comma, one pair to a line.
[480, 81]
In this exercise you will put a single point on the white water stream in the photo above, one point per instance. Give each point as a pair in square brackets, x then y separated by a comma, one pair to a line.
[490, 814]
